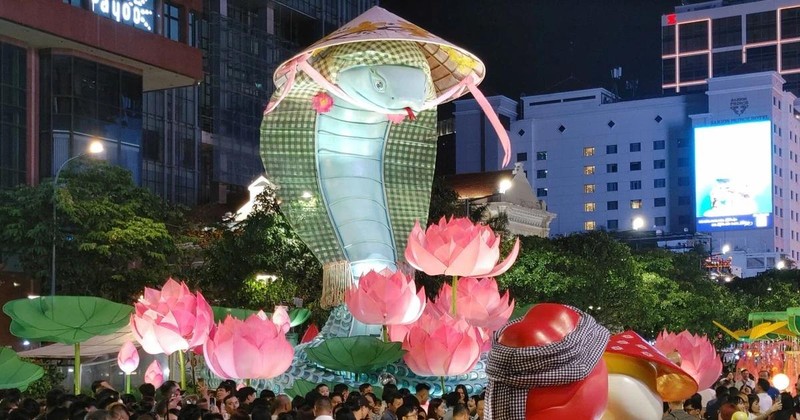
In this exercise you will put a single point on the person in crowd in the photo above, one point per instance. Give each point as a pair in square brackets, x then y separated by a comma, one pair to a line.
[343, 390]
[246, 396]
[693, 407]
[323, 390]
[423, 394]
[365, 388]
[712, 408]
[436, 409]
[787, 410]
[771, 391]
[406, 412]
[282, 404]
[393, 402]
[463, 395]
[323, 410]
[460, 412]
[765, 401]
[375, 406]
[231, 404]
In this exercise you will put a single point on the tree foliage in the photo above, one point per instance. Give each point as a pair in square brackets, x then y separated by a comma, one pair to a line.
[111, 236]
[264, 243]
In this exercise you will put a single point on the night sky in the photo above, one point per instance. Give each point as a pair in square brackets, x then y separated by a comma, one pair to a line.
[535, 46]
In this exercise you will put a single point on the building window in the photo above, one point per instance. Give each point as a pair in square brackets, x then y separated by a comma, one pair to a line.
[660, 202]
[541, 155]
[694, 68]
[588, 188]
[505, 121]
[636, 166]
[588, 151]
[668, 39]
[612, 224]
[726, 32]
[726, 61]
[588, 170]
[636, 204]
[636, 147]
[611, 149]
[659, 183]
[790, 23]
[541, 173]
[612, 186]
[761, 27]
[693, 36]
[172, 22]
[612, 205]
[522, 157]
[763, 58]
[660, 221]
[659, 145]
[541, 192]
[194, 24]
[659, 164]
[589, 225]
[636, 185]
[589, 207]
[611, 167]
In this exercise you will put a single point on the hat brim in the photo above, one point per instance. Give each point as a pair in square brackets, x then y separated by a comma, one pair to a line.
[449, 63]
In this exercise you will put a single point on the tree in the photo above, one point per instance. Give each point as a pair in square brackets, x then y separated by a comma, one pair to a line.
[264, 243]
[111, 236]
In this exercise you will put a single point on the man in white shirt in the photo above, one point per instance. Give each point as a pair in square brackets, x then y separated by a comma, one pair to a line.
[764, 400]
[323, 409]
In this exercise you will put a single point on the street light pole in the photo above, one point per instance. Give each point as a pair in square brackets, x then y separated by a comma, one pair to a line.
[94, 148]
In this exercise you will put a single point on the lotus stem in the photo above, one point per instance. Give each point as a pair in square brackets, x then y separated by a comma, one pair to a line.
[182, 367]
[127, 383]
[385, 333]
[443, 391]
[453, 299]
[247, 382]
[77, 369]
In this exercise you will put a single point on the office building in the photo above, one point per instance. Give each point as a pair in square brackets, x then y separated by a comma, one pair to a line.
[244, 42]
[714, 38]
[75, 70]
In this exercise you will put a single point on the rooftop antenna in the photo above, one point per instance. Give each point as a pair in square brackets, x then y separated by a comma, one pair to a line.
[616, 74]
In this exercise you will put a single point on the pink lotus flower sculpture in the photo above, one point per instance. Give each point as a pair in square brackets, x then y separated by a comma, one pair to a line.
[457, 247]
[171, 319]
[255, 348]
[385, 298]
[128, 358]
[280, 317]
[154, 374]
[478, 302]
[697, 356]
[442, 346]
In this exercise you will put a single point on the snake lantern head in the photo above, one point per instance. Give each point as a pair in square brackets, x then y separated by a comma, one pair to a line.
[393, 87]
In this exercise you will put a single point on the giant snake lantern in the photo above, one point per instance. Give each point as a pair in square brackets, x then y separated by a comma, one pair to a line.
[350, 139]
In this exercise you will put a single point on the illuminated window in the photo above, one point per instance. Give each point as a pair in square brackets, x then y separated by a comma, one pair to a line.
[589, 225]
[636, 204]
[588, 188]
[588, 151]
[588, 170]
[541, 173]
[589, 207]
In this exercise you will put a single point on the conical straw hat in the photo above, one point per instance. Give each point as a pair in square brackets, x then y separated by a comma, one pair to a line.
[449, 63]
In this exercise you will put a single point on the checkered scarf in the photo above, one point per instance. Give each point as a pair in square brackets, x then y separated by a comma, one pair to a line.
[513, 371]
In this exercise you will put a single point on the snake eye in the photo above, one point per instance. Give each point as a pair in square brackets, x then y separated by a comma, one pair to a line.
[378, 83]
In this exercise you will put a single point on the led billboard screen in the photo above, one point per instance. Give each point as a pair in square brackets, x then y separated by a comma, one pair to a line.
[137, 13]
[733, 176]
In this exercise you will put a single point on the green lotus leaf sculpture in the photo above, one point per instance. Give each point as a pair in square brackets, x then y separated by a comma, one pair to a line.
[298, 316]
[16, 373]
[359, 354]
[220, 313]
[66, 319]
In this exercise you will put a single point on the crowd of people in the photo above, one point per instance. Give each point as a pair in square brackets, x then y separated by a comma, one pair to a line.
[739, 391]
[229, 402]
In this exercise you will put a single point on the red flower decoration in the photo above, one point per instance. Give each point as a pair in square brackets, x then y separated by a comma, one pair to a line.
[322, 102]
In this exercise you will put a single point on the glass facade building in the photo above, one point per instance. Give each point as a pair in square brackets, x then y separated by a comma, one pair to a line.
[722, 38]
[13, 106]
[243, 43]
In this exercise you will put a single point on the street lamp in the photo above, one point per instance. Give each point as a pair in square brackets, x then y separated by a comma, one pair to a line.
[637, 223]
[95, 147]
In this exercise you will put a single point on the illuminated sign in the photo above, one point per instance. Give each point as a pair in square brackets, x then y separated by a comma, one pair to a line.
[733, 176]
[672, 19]
[137, 13]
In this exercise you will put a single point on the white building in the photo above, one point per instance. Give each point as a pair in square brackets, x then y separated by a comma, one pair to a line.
[602, 163]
